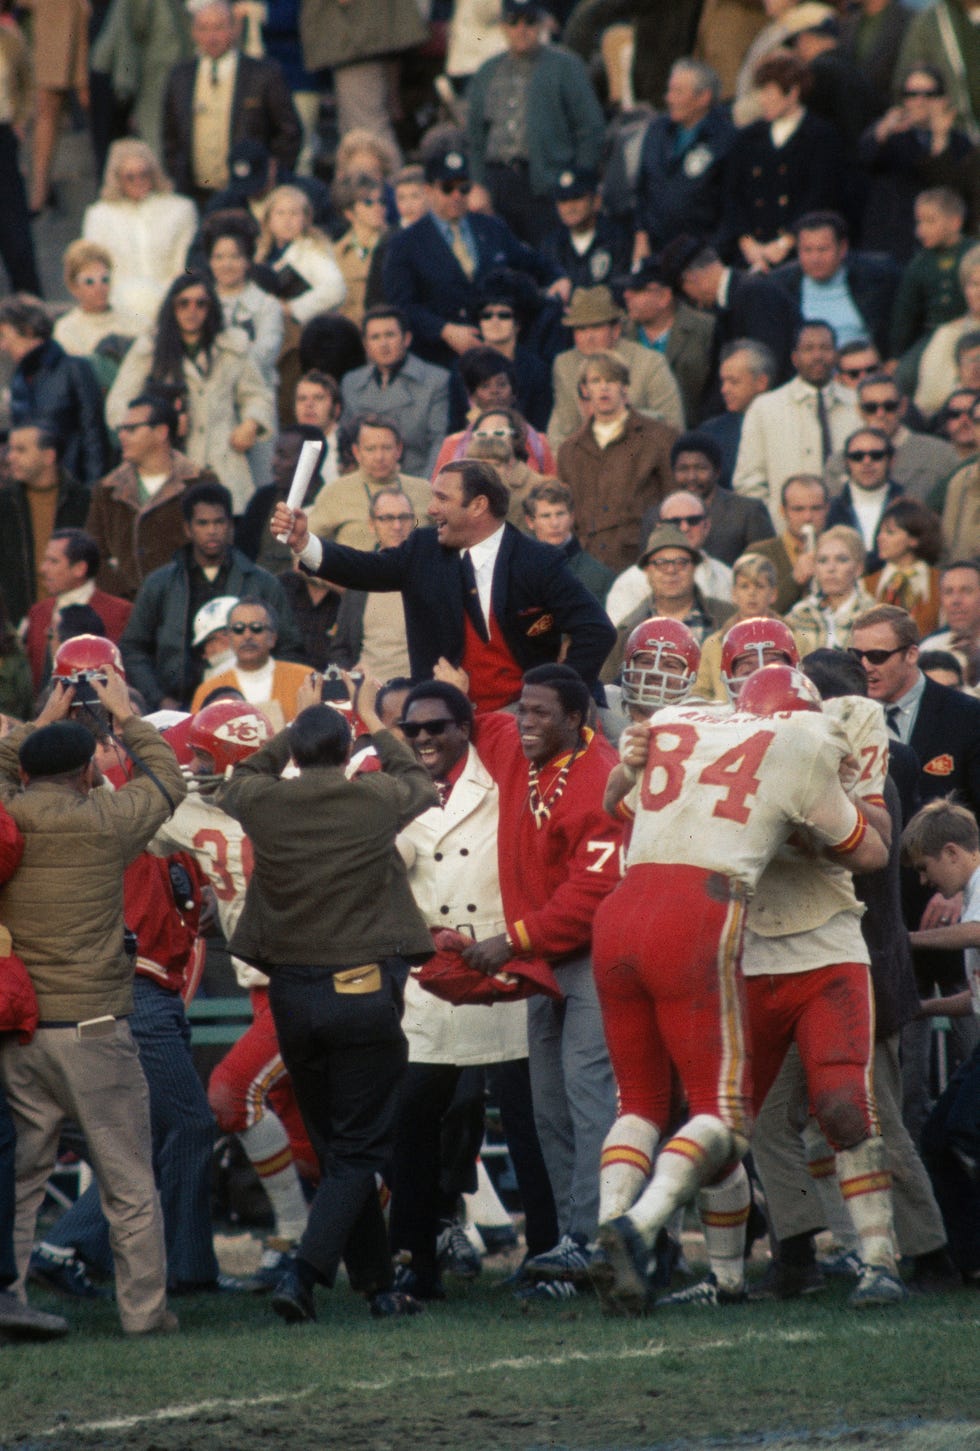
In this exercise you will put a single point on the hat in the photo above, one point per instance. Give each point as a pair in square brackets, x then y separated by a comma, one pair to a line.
[248, 166]
[447, 166]
[592, 306]
[57, 749]
[447, 976]
[665, 536]
[211, 617]
[576, 181]
[522, 10]
[649, 270]
[810, 17]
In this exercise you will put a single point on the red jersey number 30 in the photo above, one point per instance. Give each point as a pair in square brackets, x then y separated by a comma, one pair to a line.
[733, 772]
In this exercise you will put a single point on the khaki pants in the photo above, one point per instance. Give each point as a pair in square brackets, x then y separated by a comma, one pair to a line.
[99, 1083]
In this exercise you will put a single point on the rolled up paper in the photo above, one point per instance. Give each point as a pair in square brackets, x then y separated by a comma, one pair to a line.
[309, 457]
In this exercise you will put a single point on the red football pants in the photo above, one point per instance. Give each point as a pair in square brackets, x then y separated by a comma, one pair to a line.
[665, 949]
[829, 1014]
[252, 1074]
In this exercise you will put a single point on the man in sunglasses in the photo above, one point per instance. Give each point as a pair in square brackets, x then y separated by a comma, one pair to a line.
[532, 114]
[270, 684]
[433, 269]
[919, 461]
[869, 490]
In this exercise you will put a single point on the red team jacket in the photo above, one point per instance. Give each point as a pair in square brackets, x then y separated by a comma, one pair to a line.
[552, 877]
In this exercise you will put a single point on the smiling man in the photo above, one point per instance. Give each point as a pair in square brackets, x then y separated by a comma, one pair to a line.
[476, 591]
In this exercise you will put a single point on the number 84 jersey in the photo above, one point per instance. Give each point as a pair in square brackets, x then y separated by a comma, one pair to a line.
[723, 792]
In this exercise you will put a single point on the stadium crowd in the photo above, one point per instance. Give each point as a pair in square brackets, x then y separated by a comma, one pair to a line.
[494, 542]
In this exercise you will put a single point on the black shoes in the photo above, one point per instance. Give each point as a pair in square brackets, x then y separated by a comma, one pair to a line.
[291, 1299]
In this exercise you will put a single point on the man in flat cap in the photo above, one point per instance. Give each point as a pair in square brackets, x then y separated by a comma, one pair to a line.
[64, 910]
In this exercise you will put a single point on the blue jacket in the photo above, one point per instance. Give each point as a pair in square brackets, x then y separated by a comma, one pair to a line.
[683, 191]
[565, 124]
[424, 279]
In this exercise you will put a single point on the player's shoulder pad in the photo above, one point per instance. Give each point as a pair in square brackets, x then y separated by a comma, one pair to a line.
[859, 718]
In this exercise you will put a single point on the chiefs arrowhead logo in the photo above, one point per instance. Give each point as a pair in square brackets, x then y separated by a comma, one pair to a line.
[542, 626]
[939, 766]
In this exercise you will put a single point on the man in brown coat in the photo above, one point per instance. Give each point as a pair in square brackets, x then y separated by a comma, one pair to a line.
[135, 515]
[617, 464]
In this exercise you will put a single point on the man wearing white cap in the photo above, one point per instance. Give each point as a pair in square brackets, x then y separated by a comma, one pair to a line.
[212, 639]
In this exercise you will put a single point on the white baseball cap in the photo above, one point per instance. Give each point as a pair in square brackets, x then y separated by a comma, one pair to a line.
[211, 617]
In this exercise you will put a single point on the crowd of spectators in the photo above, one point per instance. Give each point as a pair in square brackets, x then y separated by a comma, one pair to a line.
[703, 328]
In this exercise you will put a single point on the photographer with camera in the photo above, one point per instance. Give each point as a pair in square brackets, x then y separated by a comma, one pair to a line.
[64, 910]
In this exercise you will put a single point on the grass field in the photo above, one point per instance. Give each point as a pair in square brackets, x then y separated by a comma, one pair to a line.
[479, 1372]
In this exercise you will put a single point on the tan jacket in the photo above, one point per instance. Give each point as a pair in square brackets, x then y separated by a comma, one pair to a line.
[64, 904]
[340, 511]
[961, 513]
[15, 60]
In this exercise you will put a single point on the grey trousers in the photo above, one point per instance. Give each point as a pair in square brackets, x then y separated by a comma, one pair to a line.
[574, 1093]
[99, 1083]
[798, 1204]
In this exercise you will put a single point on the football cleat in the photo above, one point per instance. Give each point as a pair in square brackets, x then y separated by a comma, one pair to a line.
[569, 1260]
[619, 1269]
[877, 1286]
[454, 1253]
[545, 1292]
[706, 1292]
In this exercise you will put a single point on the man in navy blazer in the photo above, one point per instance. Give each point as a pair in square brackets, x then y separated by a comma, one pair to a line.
[432, 269]
[827, 276]
[473, 575]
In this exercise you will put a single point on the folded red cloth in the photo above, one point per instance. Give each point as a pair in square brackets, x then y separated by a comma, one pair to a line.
[447, 976]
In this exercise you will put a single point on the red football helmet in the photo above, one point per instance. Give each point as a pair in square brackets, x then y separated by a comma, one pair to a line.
[87, 657]
[778, 690]
[175, 727]
[668, 674]
[228, 731]
[755, 638]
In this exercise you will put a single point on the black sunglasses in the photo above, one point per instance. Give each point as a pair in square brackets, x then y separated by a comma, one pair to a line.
[501, 312]
[252, 625]
[448, 187]
[858, 455]
[412, 729]
[857, 372]
[689, 519]
[874, 657]
[886, 405]
[927, 95]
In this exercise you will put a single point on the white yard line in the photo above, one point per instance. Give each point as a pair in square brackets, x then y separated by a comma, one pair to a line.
[650, 1351]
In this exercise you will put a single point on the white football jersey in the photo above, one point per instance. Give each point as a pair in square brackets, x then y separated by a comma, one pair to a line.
[224, 854]
[722, 792]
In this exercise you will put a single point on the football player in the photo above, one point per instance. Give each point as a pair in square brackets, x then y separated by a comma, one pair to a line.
[712, 798]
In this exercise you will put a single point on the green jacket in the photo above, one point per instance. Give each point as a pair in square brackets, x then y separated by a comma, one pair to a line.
[328, 888]
[63, 906]
[565, 125]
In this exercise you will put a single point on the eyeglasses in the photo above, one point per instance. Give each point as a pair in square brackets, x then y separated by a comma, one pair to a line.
[961, 412]
[885, 405]
[200, 303]
[861, 372]
[859, 455]
[412, 729]
[253, 627]
[504, 313]
[911, 91]
[493, 433]
[874, 657]
[142, 175]
[448, 187]
[394, 518]
[93, 281]
[680, 519]
[673, 564]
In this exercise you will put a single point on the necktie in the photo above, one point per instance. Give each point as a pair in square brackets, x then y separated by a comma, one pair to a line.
[826, 442]
[892, 713]
[471, 597]
[214, 73]
[461, 252]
